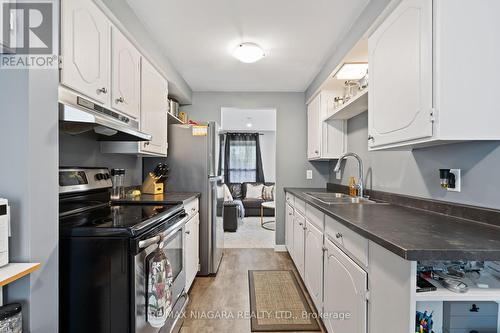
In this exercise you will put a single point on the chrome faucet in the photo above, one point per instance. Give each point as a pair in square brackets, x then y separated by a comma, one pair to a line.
[360, 170]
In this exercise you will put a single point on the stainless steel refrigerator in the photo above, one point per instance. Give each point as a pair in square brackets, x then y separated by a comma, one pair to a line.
[193, 159]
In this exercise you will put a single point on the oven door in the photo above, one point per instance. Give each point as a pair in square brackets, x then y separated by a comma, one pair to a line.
[172, 249]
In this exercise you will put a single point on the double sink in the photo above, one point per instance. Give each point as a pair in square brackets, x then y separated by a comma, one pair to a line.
[331, 198]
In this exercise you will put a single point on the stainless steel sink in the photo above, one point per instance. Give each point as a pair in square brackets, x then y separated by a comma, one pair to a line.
[331, 198]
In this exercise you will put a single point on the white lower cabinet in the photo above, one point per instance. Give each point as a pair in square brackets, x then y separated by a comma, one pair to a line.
[192, 249]
[298, 242]
[289, 227]
[313, 264]
[345, 292]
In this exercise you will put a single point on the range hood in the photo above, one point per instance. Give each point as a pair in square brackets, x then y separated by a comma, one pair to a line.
[78, 115]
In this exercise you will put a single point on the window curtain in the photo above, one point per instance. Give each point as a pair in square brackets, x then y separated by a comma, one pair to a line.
[242, 161]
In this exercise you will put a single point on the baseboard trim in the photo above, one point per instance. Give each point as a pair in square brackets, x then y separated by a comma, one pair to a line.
[280, 248]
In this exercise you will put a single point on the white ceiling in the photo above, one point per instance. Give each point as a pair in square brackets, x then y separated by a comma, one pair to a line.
[236, 119]
[198, 37]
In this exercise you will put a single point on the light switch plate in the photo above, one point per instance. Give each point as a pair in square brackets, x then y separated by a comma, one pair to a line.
[309, 174]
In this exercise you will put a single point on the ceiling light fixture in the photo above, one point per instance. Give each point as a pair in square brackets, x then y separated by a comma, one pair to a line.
[352, 71]
[248, 52]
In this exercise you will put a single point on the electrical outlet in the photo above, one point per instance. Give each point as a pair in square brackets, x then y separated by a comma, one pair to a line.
[458, 181]
[338, 175]
[309, 174]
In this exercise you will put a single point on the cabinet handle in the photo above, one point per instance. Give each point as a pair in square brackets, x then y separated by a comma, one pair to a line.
[146, 143]
[300, 223]
[120, 100]
[188, 232]
[316, 152]
[102, 90]
[304, 228]
[338, 235]
[370, 138]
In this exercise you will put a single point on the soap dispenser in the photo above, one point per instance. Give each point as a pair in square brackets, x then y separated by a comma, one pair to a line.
[353, 188]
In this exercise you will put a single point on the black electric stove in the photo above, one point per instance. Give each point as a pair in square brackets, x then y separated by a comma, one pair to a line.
[105, 252]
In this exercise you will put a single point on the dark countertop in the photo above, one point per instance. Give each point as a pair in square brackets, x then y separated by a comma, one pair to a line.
[166, 198]
[414, 234]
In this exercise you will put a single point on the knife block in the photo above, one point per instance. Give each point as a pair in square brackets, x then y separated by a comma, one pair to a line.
[152, 186]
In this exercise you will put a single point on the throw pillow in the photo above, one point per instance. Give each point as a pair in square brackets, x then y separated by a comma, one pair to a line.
[254, 191]
[268, 193]
[235, 190]
[227, 194]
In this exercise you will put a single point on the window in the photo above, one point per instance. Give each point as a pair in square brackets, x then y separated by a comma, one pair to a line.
[242, 161]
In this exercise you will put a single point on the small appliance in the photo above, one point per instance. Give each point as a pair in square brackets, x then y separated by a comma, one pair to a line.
[4, 231]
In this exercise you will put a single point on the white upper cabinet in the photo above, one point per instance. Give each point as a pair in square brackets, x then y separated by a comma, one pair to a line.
[154, 108]
[85, 51]
[125, 75]
[427, 86]
[400, 60]
[313, 129]
[325, 139]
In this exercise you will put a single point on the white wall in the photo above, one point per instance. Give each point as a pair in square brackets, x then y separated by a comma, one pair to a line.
[416, 172]
[268, 153]
[291, 141]
[29, 180]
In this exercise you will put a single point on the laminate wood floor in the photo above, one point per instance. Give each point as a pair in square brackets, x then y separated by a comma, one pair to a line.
[218, 304]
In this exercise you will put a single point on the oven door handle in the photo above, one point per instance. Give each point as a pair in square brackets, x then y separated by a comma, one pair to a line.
[150, 241]
[156, 239]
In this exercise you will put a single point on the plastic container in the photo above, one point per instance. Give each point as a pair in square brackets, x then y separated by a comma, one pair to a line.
[11, 318]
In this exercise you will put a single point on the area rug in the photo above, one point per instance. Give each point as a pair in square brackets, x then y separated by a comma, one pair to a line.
[278, 304]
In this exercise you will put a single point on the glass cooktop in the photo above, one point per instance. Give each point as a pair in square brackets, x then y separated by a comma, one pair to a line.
[117, 219]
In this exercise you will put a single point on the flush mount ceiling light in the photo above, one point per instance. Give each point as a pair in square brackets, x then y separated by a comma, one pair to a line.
[352, 71]
[248, 52]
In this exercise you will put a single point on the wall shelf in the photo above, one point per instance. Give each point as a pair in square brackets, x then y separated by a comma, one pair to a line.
[352, 108]
[473, 294]
[173, 119]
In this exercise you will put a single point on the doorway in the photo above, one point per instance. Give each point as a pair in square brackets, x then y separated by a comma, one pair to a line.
[248, 162]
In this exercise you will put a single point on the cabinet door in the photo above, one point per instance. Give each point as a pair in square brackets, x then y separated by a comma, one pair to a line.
[154, 107]
[400, 60]
[314, 128]
[125, 75]
[289, 228]
[298, 243]
[192, 249]
[345, 287]
[313, 264]
[85, 49]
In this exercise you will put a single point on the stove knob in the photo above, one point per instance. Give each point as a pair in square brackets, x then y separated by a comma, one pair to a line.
[99, 176]
[106, 176]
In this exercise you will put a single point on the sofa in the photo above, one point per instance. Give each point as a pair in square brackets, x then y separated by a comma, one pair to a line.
[252, 206]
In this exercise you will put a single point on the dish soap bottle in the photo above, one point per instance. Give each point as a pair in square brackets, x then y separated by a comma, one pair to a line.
[353, 189]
